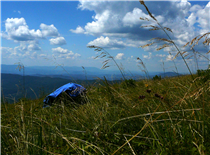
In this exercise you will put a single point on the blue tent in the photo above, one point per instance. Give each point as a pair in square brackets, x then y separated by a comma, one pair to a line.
[72, 89]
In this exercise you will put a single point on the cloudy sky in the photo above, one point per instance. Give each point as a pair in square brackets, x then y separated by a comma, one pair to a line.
[45, 33]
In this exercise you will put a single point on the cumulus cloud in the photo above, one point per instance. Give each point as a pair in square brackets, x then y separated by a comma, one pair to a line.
[58, 41]
[92, 57]
[119, 56]
[106, 42]
[33, 47]
[169, 57]
[121, 20]
[17, 29]
[79, 29]
[147, 56]
[61, 50]
[132, 18]
[160, 55]
[49, 30]
[77, 55]
[28, 49]
[22, 51]
[27, 46]
[6, 51]
[64, 53]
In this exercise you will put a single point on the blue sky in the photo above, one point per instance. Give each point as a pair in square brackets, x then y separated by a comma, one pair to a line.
[42, 33]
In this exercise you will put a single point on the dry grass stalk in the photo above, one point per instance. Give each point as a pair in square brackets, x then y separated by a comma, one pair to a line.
[142, 2]
[205, 34]
[186, 55]
[144, 18]
[186, 44]
[130, 146]
[169, 41]
[163, 46]
[207, 41]
[154, 27]
[195, 40]
[105, 54]
[184, 52]
[162, 39]
[190, 57]
[166, 28]
[147, 45]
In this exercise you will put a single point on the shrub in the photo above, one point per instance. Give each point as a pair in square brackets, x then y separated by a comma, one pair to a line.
[156, 77]
[128, 83]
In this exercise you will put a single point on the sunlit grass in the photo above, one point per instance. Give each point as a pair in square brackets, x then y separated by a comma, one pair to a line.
[156, 116]
[114, 113]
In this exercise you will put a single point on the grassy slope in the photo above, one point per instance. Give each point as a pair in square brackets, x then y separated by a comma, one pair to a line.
[118, 118]
[114, 113]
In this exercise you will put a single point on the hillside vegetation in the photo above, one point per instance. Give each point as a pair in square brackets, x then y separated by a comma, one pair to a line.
[172, 118]
[156, 116]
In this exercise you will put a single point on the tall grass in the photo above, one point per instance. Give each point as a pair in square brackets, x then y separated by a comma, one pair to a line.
[159, 116]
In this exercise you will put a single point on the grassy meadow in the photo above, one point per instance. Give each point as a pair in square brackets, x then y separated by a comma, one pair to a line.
[151, 116]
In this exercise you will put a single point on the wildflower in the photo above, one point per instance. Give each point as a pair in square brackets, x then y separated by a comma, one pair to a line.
[157, 95]
[141, 97]
[146, 85]
[148, 90]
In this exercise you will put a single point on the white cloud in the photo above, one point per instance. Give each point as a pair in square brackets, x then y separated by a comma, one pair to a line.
[121, 20]
[147, 56]
[61, 50]
[17, 29]
[17, 11]
[77, 55]
[97, 27]
[34, 55]
[42, 55]
[64, 53]
[92, 57]
[32, 47]
[79, 29]
[26, 54]
[20, 52]
[106, 42]
[49, 30]
[203, 18]
[132, 18]
[169, 57]
[6, 51]
[160, 55]
[119, 56]
[58, 41]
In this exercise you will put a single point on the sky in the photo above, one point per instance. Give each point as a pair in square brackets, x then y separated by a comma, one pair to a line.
[48, 33]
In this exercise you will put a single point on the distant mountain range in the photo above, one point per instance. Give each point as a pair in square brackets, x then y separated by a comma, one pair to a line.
[76, 73]
[39, 81]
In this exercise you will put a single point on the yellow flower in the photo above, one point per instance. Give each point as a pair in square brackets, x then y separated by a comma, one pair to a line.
[146, 85]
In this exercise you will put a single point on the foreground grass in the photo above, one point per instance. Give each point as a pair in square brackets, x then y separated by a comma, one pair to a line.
[117, 118]
[168, 116]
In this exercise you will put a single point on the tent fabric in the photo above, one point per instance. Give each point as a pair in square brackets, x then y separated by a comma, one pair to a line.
[72, 89]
